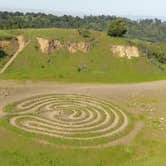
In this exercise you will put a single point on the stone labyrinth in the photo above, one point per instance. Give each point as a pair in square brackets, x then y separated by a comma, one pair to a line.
[70, 120]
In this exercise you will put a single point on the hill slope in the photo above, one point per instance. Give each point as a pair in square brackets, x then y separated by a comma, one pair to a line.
[98, 64]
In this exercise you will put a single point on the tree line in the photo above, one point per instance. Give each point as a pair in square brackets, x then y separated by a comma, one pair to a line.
[12, 20]
[147, 29]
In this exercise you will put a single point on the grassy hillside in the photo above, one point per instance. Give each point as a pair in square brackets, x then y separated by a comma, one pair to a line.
[98, 65]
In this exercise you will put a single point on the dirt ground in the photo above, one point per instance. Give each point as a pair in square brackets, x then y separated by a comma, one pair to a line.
[124, 95]
[138, 99]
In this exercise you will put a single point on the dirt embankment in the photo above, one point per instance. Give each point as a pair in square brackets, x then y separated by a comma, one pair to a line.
[125, 51]
[4, 43]
[21, 44]
[9, 46]
[48, 46]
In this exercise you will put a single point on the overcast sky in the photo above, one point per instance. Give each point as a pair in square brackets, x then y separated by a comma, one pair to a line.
[116, 7]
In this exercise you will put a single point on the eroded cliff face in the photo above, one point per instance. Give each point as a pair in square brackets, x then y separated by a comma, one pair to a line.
[125, 51]
[48, 46]
[4, 43]
[17, 43]
[9, 46]
[82, 46]
[21, 41]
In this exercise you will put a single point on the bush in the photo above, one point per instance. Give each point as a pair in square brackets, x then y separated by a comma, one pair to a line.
[2, 53]
[117, 28]
[154, 51]
[84, 33]
[82, 68]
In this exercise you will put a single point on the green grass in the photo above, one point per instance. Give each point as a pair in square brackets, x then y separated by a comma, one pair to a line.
[99, 65]
[19, 150]
[5, 34]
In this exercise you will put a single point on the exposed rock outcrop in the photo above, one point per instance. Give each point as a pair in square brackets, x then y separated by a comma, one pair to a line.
[21, 41]
[48, 46]
[10, 45]
[4, 43]
[125, 51]
[82, 46]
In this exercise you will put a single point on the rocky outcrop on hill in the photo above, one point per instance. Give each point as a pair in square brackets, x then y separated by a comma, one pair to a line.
[82, 46]
[48, 46]
[21, 41]
[10, 45]
[125, 51]
[4, 43]
[17, 45]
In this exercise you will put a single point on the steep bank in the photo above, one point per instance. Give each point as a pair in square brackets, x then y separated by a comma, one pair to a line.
[48, 46]
[21, 44]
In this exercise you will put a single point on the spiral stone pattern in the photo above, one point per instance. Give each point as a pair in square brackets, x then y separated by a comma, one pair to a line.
[70, 117]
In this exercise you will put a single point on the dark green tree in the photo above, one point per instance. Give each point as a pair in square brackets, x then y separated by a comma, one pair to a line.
[117, 28]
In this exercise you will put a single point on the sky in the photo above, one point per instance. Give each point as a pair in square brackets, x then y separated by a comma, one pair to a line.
[95, 7]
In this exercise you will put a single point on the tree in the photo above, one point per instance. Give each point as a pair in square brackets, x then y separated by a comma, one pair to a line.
[117, 28]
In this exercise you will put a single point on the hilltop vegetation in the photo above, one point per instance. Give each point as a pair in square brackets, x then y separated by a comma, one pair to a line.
[148, 29]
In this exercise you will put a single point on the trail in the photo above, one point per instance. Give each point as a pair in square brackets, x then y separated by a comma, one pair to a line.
[22, 45]
[94, 122]
[69, 124]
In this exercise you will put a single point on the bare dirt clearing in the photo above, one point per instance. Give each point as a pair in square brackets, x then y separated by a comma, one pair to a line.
[17, 90]
[135, 98]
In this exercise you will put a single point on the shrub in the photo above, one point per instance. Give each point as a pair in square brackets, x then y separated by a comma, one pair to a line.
[117, 28]
[84, 33]
[154, 51]
[2, 53]
[81, 68]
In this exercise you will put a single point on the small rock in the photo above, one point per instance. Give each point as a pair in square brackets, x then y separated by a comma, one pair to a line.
[162, 119]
